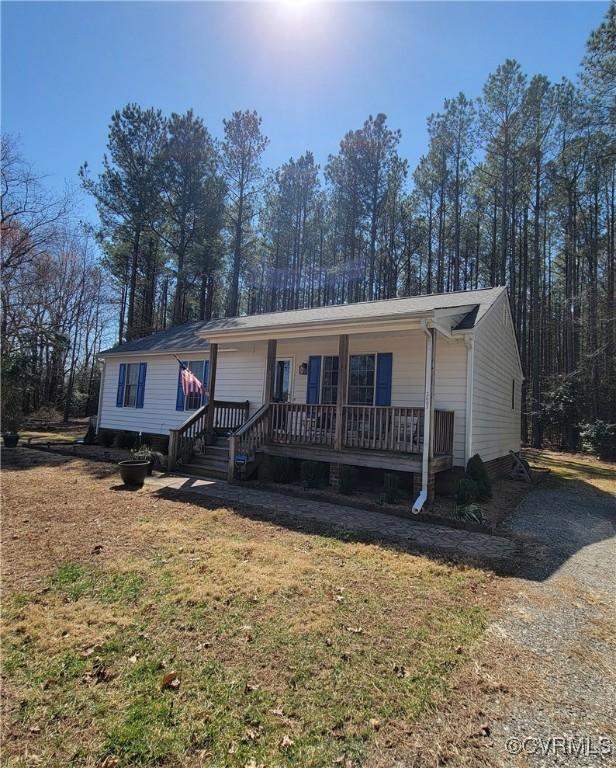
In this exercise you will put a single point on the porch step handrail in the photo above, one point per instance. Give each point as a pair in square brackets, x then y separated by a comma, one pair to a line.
[250, 437]
[183, 438]
[228, 416]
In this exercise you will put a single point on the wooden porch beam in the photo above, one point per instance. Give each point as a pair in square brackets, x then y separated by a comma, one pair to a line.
[270, 371]
[209, 429]
[342, 389]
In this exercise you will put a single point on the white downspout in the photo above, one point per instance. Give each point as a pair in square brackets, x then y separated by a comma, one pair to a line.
[469, 340]
[99, 411]
[423, 495]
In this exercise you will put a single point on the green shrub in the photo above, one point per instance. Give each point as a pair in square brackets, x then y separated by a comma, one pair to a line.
[126, 440]
[600, 437]
[470, 513]
[467, 492]
[106, 437]
[283, 470]
[311, 473]
[390, 487]
[476, 470]
[347, 480]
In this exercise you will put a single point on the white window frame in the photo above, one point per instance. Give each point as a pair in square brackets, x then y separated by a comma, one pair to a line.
[130, 387]
[362, 354]
[322, 374]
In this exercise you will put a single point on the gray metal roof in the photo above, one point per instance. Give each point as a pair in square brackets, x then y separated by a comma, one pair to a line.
[178, 338]
[365, 310]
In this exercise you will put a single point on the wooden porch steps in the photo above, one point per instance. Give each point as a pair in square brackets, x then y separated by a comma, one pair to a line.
[213, 463]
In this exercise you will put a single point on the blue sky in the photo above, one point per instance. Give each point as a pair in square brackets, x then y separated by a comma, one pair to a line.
[312, 71]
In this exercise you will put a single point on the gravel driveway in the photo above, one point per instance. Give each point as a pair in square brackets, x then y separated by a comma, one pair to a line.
[540, 689]
[565, 620]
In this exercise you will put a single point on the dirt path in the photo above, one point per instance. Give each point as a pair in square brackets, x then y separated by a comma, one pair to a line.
[541, 688]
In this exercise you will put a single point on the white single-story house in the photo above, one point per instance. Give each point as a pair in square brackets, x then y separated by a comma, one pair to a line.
[345, 384]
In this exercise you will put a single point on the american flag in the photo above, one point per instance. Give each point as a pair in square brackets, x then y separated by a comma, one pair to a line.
[190, 383]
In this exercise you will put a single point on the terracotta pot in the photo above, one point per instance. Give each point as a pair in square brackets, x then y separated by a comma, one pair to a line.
[133, 472]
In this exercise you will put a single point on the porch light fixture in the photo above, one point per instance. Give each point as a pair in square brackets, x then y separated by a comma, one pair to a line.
[303, 369]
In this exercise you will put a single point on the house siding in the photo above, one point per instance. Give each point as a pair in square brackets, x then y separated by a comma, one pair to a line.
[495, 424]
[241, 376]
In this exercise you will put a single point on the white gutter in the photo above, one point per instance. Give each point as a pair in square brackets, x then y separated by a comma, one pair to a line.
[423, 495]
[99, 410]
[469, 340]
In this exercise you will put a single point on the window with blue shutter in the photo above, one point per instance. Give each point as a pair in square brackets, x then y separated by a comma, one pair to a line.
[121, 383]
[141, 385]
[314, 379]
[384, 364]
[131, 385]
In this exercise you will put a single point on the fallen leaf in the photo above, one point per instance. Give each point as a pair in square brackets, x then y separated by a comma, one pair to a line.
[170, 680]
[374, 723]
[99, 672]
[401, 670]
[110, 762]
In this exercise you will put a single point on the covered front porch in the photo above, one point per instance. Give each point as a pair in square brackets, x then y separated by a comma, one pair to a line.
[310, 409]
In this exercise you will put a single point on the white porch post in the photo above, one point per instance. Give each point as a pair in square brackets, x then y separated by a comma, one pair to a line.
[428, 418]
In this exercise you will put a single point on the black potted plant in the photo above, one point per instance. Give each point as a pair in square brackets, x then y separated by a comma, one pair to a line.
[11, 421]
[133, 471]
[144, 452]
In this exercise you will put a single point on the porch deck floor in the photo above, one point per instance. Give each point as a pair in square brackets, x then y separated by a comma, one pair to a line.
[402, 462]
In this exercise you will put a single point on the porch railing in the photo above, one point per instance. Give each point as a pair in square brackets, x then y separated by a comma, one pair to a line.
[443, 432]
[295, 423]
[184, 440]
[378, 428]
[382, 428]
[229, 416]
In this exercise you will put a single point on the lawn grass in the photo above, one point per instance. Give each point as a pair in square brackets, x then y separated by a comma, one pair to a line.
[567, 468]
[291, 648]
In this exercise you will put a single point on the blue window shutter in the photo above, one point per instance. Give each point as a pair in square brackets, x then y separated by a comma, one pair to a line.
[121, 382]
[384, 362]
[206, 374]
[141, 384]
[179, 398]
[314, 379]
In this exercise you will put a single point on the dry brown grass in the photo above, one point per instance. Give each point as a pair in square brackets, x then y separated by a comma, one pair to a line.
[293, 647]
